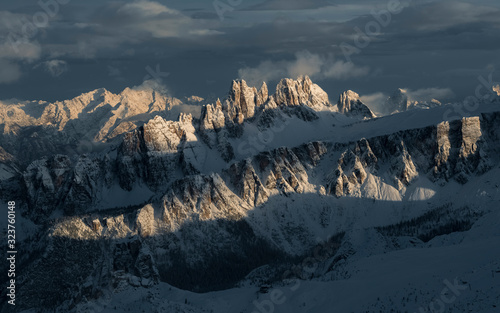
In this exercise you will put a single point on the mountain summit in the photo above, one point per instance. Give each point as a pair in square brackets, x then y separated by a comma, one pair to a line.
[350, 105]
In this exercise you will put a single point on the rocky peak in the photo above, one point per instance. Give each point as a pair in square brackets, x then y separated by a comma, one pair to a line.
[496, 89]
[241, 102]
[263, 95]
[345, 100]
[153, 152]
[165, 136]
[301, 91]
[212, 117]
[350, 105]
[401, 101]
[213, 131]
[293, 92]
[159, 136]
[398, 101]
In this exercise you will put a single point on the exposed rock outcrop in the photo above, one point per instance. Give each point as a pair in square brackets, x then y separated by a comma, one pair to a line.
[350, 105]
[213, 130]
[462, 150]
[152, 153]
[301, 91]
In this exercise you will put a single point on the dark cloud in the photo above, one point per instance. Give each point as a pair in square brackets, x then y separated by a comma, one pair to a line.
[111, 43]
[54, 67]
[204, 15]
[290, 5]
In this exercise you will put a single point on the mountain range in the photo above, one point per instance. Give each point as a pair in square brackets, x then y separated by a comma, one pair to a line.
[141, 201]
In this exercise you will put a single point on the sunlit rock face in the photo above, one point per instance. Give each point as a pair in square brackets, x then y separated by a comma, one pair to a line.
[462, 149]
[350, 105]
[153, 153]
[497, 89]
[301, 91]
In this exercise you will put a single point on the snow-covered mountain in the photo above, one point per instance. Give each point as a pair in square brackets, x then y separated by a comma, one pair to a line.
[401, 101]
[102, 111]
[31, 129]
[257, 195]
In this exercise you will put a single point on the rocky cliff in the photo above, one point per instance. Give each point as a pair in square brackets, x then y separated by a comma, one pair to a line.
[350, 105]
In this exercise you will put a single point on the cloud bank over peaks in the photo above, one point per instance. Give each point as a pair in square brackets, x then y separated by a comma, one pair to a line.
[428, 94]
[291, 5]
[379, 101]
[316, 66]
[152, 85]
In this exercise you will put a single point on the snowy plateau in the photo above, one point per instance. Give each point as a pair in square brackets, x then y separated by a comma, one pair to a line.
[284, 201]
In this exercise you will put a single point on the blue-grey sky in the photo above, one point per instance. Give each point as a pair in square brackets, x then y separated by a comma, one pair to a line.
[439, 48]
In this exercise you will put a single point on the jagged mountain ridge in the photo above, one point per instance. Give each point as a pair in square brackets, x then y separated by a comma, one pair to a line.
[155, 158]
[101, 109]
[82, 124]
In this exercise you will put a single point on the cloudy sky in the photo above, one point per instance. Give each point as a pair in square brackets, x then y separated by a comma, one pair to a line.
[58, 49]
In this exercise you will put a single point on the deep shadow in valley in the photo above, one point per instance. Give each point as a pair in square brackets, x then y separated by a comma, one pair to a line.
[201, 256]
